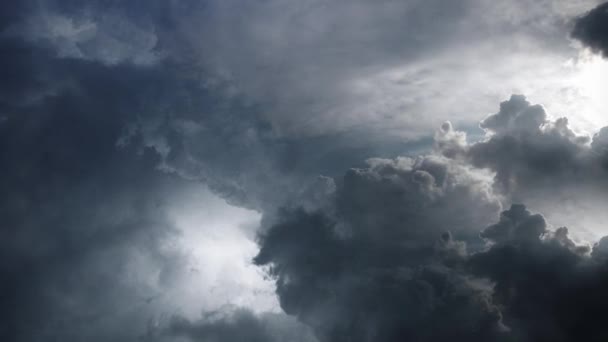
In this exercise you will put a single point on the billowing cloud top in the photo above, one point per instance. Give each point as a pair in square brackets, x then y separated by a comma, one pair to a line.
[304, 171]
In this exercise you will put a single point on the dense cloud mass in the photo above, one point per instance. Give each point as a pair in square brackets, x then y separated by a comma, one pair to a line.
[87, 242]
[549, 289]
[526, 149]
[532, 284]
[73, 207]
[534, 158]
[377, 264]
[404, 235]
[592, 29]
[114, 113]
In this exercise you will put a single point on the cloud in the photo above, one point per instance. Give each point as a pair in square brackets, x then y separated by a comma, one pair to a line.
[232, 325]
[111, 110]
[548, 287]
[531, 283]
[75, 211]
[90, 249]
[409, 228]
[539, 161]
[591, 29]
[108, 37]
[389, 68]
[516, 225]
[373, 265]
[209, 85]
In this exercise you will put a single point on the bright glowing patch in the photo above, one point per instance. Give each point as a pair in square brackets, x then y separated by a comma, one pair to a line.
[218, 240]
[207, 264]
[591, 79]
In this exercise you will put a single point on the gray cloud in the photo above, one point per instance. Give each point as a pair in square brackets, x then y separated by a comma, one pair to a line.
[109, 109]
[516, 225]
[535, 158]
[591, 29]
[389, 67]
[531, 284]
[402, 221]
[232, 325]
[74, 209]
[88, 243]
[547, 287]
[108, 34]
[373, 265]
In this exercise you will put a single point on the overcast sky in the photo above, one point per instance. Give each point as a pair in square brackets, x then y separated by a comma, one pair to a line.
[303, 170]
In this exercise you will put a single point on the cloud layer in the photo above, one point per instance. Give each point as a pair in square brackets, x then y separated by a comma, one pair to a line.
[113, 114]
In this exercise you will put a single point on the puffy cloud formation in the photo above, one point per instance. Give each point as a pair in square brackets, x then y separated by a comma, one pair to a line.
[549, 289]
[516, 225]
[535, 158]
[352, 268]
[530, 284]
[525, 148]
[427, 195]
[592, 29]
[381, 262]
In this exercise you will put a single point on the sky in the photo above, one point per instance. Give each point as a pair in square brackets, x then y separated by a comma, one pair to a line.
[303, 170]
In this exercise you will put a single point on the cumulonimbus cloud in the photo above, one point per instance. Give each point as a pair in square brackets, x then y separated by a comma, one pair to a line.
[400, 250]
[381, 267]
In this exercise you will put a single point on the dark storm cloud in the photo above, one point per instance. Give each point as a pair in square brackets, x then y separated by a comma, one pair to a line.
[103, 102]
[516, 224]
[87, 139]
[396, 253]
[592, 29]
[548, 289]
[186, 112]
[531, 284]
[74, 208]
[379, 263]
[172, 106]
